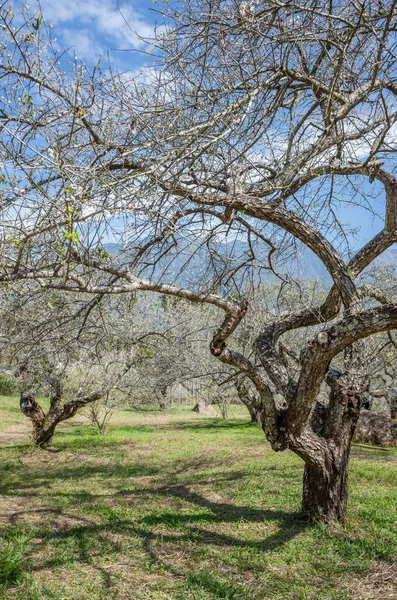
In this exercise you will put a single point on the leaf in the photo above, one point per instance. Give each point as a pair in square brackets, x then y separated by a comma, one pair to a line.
[102, 253]
[14, 242]
[37, 23]
[73, 236]
[27, 99]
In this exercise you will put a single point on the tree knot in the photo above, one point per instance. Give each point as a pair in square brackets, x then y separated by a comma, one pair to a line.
[217, 349]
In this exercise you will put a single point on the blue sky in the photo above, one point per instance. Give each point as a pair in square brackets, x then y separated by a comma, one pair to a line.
[97, 27]
[91, 28]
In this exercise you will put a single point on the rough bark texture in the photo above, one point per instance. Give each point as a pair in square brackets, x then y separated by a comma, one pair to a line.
[256, 414]
[325, 491]
[325, 481]
[42, 436]
[161, 393]
[33, 411]
[392, 398]
[43, 425]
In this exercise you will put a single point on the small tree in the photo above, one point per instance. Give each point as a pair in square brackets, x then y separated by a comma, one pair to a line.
[63, 349]
[100, 412]
[66, 400]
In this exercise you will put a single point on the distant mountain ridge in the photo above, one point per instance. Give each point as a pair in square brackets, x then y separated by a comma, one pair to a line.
[306, 265]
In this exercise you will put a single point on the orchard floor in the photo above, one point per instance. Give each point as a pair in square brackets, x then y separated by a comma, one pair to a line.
[177, 506]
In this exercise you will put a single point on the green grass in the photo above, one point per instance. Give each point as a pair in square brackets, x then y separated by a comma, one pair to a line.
[13, 549]
[180, 507]
[9, 411]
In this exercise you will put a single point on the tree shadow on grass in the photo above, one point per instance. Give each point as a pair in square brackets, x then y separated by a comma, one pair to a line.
[210, 425]
[41, 479]
[201, 522]
[375, 455]
[159, 533]
[188, 528]
[14, 447]
[288, 524]
[187, 523]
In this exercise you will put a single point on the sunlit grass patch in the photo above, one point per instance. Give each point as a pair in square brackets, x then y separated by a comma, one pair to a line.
[183, 507]
[15, 544]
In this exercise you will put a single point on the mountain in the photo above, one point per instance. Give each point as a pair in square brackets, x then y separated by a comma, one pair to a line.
[191, 266]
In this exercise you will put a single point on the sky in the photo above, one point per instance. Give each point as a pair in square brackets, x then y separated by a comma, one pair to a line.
[91, 28]
[112, 29]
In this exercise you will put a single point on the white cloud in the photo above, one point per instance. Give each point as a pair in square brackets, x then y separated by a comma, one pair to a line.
[95, 26]
[82, 43]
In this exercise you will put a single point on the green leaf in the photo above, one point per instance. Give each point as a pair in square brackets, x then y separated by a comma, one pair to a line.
[102, 253]
[27, 100]
[73, 236]
[37, 23]
[14, 242]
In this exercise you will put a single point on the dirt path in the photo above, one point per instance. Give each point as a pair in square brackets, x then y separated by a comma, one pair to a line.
[19, 432]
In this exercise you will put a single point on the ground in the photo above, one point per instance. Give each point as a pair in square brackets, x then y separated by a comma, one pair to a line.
[177, 506]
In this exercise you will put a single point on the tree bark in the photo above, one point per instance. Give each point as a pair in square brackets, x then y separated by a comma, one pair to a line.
[44, 425]
[392, 398]
[251, 401]
[256, 414]
[325, 480]
[161, 394]
[42, 436]
[32, 409]
[325, 491]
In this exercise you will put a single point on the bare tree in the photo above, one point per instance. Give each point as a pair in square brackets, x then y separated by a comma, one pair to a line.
[101, 411]
[69, 351]
[258, 120]
[62, 406]
[176, 356]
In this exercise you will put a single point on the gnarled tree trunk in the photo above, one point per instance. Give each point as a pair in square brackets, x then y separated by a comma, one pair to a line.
[325, 481]
[325, 489]
[42, 436]
[43, 425]
[256, 414]
[161, 393]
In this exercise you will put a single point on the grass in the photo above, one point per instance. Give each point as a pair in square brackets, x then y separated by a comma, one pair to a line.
[13, 550]
[180, 507]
